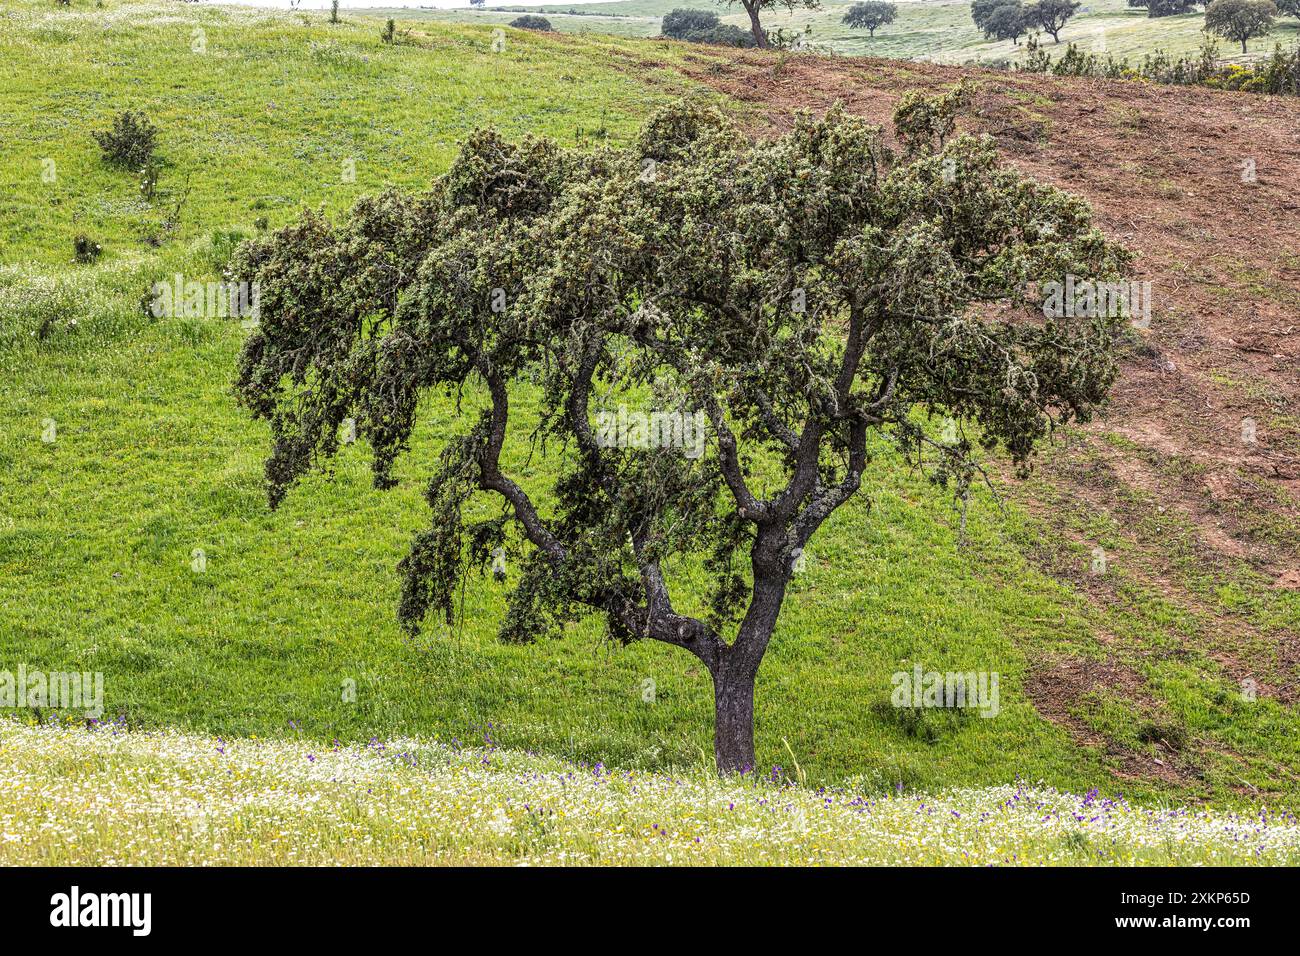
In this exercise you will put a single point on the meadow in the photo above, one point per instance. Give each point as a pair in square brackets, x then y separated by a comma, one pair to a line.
[936, 30]
[193, 801]
[135, 538]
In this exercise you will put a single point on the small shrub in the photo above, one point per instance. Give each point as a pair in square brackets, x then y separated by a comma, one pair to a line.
[130, 142]
[84, 249]
[704, 26]
[389, 33]
[530, 22]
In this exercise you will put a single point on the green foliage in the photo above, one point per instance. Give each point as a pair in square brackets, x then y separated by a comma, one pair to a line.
[129, 142]
[1278, 75]
[1006, 21]
[924, 122]
[531, 21]
[583, 273]
[1051, 15]
[1240, 20]
[1166, 8]
[683, 24]
[870, 15]
[704, 26]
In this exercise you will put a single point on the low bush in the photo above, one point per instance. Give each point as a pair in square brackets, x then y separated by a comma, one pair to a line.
[530, 22]
[130, 142]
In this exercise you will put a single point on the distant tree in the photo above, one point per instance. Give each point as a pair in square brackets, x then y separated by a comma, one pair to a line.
[870, 15]
[756, 7]
[477, 4]
[1051, 15]
[682, 24]
[981, 10]
[1166, 8]
[1240, 20]
[858, 293]
[1007, 21]
[1289, 6]
[530, 21]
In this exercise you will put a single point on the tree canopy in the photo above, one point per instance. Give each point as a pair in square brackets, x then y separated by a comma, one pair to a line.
[870, 16]
[1003, 20]
[1240, 20]
[813, 302]
[1051, 15]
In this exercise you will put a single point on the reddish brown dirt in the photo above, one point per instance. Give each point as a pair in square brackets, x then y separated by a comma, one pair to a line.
[1063, 691]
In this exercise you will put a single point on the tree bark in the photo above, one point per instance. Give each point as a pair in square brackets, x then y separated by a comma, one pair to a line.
[733, 732]
[760, 36]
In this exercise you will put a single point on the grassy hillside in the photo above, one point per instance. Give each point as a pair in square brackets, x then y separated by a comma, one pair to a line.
[937, 30]
[150, 460]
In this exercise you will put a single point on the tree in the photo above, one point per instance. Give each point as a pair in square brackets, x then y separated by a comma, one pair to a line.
[981, 10]
[755, 7]
[870, 15]
[1051, 15]
[1289, 6]
[1166, 8]
[780, 301]
[1240, 19]
[1006, 21]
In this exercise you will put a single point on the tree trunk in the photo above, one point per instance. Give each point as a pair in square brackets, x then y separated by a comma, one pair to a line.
[733, 732]
[760, 37]
[1243, 44]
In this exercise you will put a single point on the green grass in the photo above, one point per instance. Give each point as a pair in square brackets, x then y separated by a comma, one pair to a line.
[152, 460]
[937, 30]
